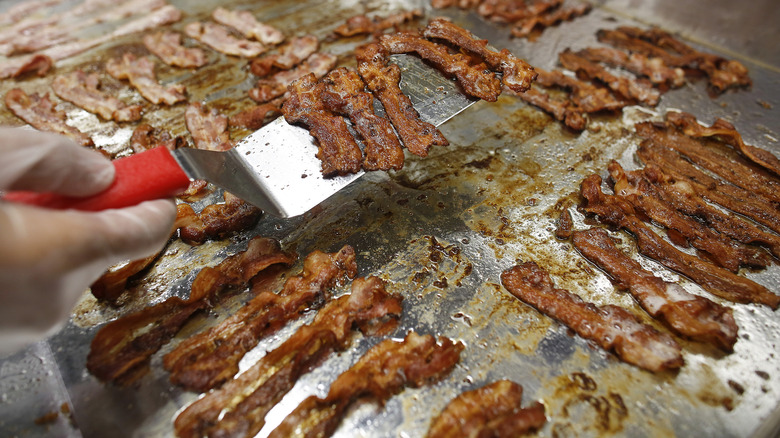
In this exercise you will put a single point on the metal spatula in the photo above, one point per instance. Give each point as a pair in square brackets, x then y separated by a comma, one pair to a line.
[274, 168]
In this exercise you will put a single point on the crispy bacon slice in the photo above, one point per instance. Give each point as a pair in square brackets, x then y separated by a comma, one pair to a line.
[113, 282]
[140, 73]
[383, 78]
[517, 74]
[145, 136]
[490, 411]
[317, 64]
[363, 25]
[526, 26]
[562, 110]
[122, 349]
[40, 112]
[167, 46]
[247, 25]
[717, 158]
[254, 116]
[611, 327]
[344, 94]
[510, 11]
[383, 371]
[726, 132]
[210, 358]
[288, 56]
[686, 314]
[475, 80]
[338, 150]
[645, 199]
[215, 221]
[653, 68]
[209, 128]
[584, 95]
[83, 90]
[618, 212]
[239, 407]
[218, 37]
[637, 89]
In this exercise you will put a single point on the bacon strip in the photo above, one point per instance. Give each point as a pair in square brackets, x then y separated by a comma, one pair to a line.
[517, 74]
[338, 150]
[254, 116]
[239, 407]
[617, 212]
[140, 73]
[584, 95]
[475, 80]
[524, 27]
[510, 11]
[208, 127]
[247, 24]
[317, 64]
[689, 315]
[611, 327]
[562, 110]
[653, 68]
[215, 220]
[647, 200]
[210, 358]
[82, 90]
[288, 56]
[383, 78]
[490, 411]
[145, 136]
[40, 113]
[33, 64]
[218, 37]
[383, 371]
[362, 25]
[343, 94]
[110, 286]
[122, 349]
[167, 46]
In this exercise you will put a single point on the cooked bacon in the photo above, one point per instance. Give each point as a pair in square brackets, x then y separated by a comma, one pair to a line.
[562, 110]
[165, 15]
[218, 37]
[586, 96]
[653, 68]
[239, 407]
[383, 78]
[122, 349]
[41, 113]
[689, 315]
[611, 327]
[383, 371]
[210, 358]
[475, 80]
[215, 221]
[344, 94]
[140, 73]
[636, 89]
[247, 25]
[490, 411]
[317, 64]
[510, 11]
[618, 212]
[338, 150]
[717, 158]
[646, 199]
[517, 74]
[209, 128]
[463, 4]
[167, 46]
[25, 9]
[82, 90]
[21, 66]
[727, 133]
[525, 27]
[113, 282]
[145, 136]
[362, 25]
[254, 116]
[288, 56]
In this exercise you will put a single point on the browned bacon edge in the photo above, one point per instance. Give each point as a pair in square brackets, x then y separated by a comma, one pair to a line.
[686, 314]
[653, 68]
[585, 95]
[41, 113]
[275, 86]
[209, 128]
[611, 327]
[254, 117]
[490, 411]
[240, 406]
[215, 221]
[121, 350]
[383, 371]
[562, 110]
[210, 358]
[113, 282]
[83, 90]
[140, 73]
[363, 25]
[525, 27]
[286, 57]
[618, 212]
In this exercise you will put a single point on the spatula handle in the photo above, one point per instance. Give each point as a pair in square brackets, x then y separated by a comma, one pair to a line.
[152, 174]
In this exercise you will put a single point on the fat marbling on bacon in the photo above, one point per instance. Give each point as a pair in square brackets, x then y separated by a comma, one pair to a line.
[140, 73]
[83, 90]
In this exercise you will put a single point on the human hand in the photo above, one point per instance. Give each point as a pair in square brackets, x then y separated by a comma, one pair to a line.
[48, 258]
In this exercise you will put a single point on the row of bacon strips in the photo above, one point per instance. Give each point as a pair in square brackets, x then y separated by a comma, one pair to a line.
[708, 190]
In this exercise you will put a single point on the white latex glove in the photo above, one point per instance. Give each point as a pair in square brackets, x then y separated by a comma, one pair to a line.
[48, 258]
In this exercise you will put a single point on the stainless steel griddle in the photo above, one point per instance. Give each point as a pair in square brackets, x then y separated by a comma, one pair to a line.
[441, 231]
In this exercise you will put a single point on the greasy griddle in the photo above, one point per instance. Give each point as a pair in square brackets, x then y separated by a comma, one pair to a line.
[440, 231]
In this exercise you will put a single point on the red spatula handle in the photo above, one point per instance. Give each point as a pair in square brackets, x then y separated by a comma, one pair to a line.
[152, 174]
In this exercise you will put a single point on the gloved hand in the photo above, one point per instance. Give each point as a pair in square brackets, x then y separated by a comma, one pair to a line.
[48, 258]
